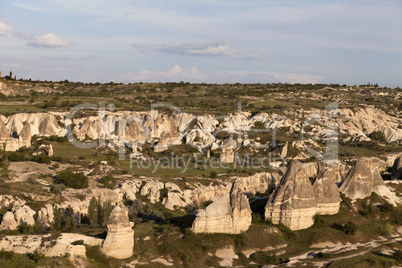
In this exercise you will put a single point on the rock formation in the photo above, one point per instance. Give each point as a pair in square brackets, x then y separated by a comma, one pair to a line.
[362, 179]
[397, 169]
[8, 222]
[293, 202]
[119, 242]
[45, 216]
[18, 215]
[257, 183]
[230, 214]
[326, 191]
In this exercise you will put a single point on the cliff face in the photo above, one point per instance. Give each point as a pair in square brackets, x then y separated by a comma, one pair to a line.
[119, 242]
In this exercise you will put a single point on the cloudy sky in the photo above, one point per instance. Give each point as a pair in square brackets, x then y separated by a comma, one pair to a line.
[226, 41]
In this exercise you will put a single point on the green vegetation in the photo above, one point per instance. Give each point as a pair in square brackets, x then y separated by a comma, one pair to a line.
[377, 135]
[73, 180]
[108, 181]
[98, 212]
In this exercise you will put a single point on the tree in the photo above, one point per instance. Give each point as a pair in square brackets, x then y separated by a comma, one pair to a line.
[93, 211]
[58, 218]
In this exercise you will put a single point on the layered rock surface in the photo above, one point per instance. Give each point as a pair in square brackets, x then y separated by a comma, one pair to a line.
[230, 214]
[363, 178]
[293, 202]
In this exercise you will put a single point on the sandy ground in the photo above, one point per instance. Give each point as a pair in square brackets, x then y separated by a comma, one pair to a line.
[21, 171]
[227, 255]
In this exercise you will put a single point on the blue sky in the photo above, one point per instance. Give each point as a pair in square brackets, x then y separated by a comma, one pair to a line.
[227, 41]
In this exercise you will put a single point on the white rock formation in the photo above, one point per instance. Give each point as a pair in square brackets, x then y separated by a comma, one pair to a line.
[45, 216]
[257, 183]
[326, 191]
[363, 178]
[293, 202]
[50, 247]
[119, 242]
[8, 222]
[10, 201]
[24, 214]
[229, 214]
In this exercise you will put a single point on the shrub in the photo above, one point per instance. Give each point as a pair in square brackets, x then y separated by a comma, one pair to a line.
[36, 256]
[322, 255]
[58, 188]
[45, 159]
[367, 210]
[398, 255]
[78, 242]
[73, 180]
[263, 258]
[108, 181]
[259, 125]
[163, 193]
[386, 207]
[213, 174]
[377, 135]
[16, 157]
[8, 255]
[349, 228]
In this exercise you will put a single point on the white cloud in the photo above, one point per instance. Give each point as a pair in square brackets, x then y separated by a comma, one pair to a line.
[4, 29]
[216, 48]
[48, 41]
[177, 74]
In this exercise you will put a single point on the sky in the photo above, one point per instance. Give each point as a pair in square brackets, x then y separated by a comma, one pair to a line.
[228, 41]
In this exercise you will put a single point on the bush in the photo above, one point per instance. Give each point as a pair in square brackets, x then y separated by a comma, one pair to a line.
[16, 157]
[213, 174]
[386, 207]
[349, 228]
[377, 135]
[45, 159]
[108, 181]
[367, 210]
[163, 193]
[322, 255]
[78, 242]
[58, 188]
[8, 255]
[263, 258]
[259, 125]
[73, 180]
[398, 255]
[36, 256]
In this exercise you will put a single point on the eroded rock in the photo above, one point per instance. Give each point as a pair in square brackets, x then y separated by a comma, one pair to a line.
[119, 242]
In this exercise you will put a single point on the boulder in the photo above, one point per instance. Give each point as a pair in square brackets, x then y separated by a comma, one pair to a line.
[119, 242]
[362, 179]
